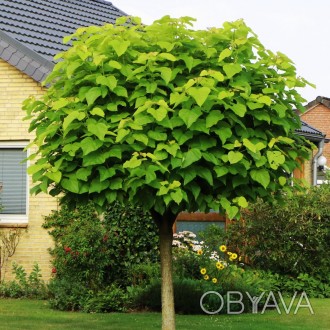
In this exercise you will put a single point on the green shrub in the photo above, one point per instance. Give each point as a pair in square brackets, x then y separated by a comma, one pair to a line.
[187, 294]
[143, 274]
[111, 299]
[94, 253]
[24, 285]
[293, 238]
[67, 294]
[288, 285]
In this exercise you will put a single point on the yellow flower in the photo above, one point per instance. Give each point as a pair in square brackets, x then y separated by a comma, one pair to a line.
[234, 256]
[206, 277]
[214, 280]
[240, 258]
[199, 252]
[219, 265]
[229, 253]
[203, 271]
[223, 248]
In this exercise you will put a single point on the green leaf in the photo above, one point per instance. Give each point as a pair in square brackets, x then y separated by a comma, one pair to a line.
[132, 163]
[224, 54]
[166, 74]
[54, 176]
[32, 169]
[120, 46]
[262, 115]
[234, 157]
[275, 159]
[60, 103]
[221, 171]
[239, 109]
[265, 100]
[261, 176]
[106, 173]
[249, 145]
[177, 98]
[71, 68]
[121, 91]
[115, 64]
[89, 145]
[282, 180]
[188, 175]
[122, 133]
[71, 117]
[200, 94]
[94, 158]
[224, 133]
[192, 156]
[97, 112]
[98, 129]
[116, 183]
[177, 196]
[83, 173]
[157, 136]
[232, 69]
[224, 94]
[189, 116]
[92, 94]
[71, 185]
[141, 138]
[213, 118]
[167, 56]
[207, 175]
[159, 114]
[232, 211]
[241, 201]
[109, 81]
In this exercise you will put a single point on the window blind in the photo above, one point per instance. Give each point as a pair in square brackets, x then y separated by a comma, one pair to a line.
[13, 181]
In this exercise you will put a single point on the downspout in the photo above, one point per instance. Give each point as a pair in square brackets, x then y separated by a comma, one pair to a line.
[315, 158]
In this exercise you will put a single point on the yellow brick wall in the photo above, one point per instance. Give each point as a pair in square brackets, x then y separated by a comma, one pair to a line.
[15, 87]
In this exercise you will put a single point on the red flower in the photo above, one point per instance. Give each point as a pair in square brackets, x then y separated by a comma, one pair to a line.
[67, 249]
[54, 270]
[105, 238]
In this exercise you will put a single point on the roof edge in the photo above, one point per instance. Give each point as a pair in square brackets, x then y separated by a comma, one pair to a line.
[23, 58]
[319, 99]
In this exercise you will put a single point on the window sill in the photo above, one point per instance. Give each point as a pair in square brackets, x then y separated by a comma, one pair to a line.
[13, 220]
[13, 225]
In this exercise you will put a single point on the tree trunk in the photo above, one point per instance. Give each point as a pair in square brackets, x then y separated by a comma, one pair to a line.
[165, 225]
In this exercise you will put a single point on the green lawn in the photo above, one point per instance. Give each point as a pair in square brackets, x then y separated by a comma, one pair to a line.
[32, 314]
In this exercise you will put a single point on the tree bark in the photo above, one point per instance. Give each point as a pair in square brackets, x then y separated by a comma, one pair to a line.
[165, 225]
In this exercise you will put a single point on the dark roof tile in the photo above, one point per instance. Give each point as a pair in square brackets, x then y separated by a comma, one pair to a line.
[36, 28]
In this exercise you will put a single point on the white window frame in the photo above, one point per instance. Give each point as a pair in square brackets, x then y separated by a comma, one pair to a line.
[16, 218]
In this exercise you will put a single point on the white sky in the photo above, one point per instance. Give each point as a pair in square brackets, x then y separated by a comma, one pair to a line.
[298, 28]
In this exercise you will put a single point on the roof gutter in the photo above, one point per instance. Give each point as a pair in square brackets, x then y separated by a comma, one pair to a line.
[315, 158]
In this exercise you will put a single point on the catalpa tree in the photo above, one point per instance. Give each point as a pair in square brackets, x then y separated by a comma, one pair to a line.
[169, 118]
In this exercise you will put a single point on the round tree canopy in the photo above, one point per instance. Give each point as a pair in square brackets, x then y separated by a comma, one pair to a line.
[167, 117]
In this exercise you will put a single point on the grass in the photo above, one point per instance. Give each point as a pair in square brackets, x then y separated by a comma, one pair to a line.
[34, 314]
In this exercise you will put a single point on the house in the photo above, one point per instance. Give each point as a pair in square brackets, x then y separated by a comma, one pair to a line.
[317, 114]
[31, 33]
[310, 170]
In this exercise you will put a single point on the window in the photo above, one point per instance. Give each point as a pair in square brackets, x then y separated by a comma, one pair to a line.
[13, 183]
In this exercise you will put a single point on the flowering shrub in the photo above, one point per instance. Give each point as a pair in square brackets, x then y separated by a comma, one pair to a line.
[223, 264]
[91, 254]
[193, 257]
